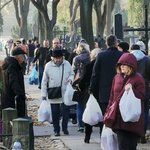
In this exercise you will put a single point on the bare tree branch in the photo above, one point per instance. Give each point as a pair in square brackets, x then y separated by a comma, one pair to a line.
[5, 4]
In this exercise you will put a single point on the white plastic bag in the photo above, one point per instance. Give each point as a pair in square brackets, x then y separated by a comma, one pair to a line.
[92, 113]
[68, 95]
[108, 139]
[44, 112]
[130, 107]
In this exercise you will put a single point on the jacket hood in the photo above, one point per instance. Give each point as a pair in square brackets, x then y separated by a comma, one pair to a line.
[138, 54]
[9, 61]
[128, 59]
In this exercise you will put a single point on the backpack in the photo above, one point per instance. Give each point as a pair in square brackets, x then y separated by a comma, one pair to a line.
[24, 47]
[79, 73]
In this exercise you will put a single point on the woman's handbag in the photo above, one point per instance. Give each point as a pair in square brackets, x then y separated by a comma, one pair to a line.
[55, 92]
[110, 115]
[130, 102]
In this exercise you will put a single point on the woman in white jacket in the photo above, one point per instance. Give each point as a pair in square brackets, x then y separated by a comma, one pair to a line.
[52, 78]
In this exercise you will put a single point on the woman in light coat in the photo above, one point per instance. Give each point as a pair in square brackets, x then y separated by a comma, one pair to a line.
[52, 78]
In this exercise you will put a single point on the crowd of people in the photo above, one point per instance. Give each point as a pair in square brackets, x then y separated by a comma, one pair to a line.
[103, 73]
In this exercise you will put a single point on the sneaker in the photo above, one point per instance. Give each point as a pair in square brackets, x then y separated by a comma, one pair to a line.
[81, 129]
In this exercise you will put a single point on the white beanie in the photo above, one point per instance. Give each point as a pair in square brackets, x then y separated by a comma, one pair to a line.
[142, 45]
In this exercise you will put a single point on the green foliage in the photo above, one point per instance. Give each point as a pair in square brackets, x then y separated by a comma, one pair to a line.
[136, 13]
[120, 10]
[63, 13]
[1, 23]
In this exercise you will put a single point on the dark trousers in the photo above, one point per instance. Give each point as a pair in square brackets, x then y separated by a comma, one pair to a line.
[103, 107]
[126, 140]
[80, 110]
[56, 111]
[41, 70]
[88, 130]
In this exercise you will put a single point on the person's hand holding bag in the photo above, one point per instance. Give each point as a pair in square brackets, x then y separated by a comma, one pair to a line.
[69, 95]
[44, 98]
[127, 87]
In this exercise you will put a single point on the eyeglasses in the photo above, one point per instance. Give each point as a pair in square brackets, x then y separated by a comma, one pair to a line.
[56, 43]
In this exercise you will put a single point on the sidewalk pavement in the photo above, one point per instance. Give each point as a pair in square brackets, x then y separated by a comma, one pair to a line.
[75, 140]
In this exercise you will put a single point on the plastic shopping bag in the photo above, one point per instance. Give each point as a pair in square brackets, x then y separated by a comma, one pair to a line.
[69, 95]
[33, 77]
[130, 107]
[44, 112]
[108, 139]
[92, 113]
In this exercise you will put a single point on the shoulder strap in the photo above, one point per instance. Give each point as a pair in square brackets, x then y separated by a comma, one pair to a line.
[62, 74]
[121, 93]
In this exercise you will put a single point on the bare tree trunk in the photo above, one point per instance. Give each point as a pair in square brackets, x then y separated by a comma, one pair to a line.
[101, 17]
[40, 29]
[73, 13]
[48, 24]
[22, 9]
[108, 17]
[86, 21]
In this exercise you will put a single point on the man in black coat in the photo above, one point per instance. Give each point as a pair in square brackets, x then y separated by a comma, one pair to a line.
[42, 55]
[103, 72]
[13, 82]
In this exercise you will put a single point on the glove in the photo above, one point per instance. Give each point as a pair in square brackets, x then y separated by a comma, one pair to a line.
[44, 98]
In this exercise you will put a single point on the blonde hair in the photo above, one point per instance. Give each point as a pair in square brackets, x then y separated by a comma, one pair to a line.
[95, 52]
[82, 47]
[130, 70]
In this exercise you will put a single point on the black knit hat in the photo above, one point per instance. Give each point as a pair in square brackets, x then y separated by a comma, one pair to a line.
[56, 53]
[18, 51]
[135, 47]
[83, 41]
[124, 46]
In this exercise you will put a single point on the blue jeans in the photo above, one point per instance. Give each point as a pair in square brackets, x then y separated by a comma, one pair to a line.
[30, 60]
[80, 110]
[56, 111]
[41, 70]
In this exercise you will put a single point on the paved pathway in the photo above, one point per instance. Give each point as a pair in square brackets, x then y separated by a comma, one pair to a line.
[74, 141]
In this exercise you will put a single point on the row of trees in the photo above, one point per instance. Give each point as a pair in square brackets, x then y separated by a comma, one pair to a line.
[102, 8]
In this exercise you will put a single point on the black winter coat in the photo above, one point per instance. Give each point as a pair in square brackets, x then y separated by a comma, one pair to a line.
[13, 85]
[103, 72]
[42, 55]
[85, 81]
